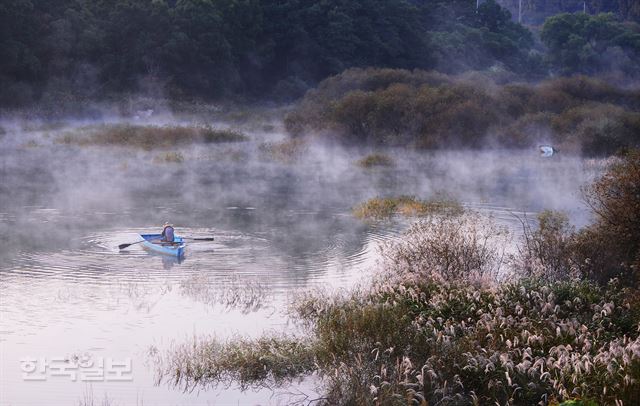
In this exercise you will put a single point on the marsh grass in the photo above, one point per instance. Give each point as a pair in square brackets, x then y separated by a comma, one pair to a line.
[89, 399]
[235, 294]
[375, 160]
[288, 151]
[149, 137]
[436, 327]
[383, 208]
[169, 157]
[209, 362]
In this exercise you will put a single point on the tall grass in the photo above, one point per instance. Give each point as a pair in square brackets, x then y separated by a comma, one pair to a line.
[375, 160]
[437, 327]
[383, 208]
[149, 137]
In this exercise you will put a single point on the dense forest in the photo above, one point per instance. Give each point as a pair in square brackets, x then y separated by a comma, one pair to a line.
[57, 51]
[535, 11]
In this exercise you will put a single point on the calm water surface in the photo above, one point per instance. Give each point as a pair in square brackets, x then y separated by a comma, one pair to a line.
[280, 227]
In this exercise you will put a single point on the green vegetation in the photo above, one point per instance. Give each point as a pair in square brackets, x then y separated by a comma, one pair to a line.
[606, 249]
[149, 137]
[431, 110]
[536, 11]
[591, 44]
[373, 160]
[382, 208]
[610, 247]
[452, 318]
[237, 361]
[66, 54]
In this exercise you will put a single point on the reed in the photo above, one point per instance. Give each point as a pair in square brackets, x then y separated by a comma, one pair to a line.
[375, 160]
[149, 137]
[383, 208]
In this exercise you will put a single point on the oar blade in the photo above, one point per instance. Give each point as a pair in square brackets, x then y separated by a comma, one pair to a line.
[123, 246]
[203, 239]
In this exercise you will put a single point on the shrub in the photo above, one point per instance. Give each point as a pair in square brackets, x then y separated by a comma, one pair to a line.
[547, 252]
[373, 160]
[599, 129]
[528, 130]
[446, 249]
[610, 247]
[399, 107]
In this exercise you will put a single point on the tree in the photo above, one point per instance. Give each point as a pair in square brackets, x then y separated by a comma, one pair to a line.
[590, 44]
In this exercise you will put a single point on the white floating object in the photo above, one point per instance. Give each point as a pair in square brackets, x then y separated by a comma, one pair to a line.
[546, 151]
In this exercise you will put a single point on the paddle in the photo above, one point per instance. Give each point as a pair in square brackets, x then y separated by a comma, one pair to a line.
[123, 246]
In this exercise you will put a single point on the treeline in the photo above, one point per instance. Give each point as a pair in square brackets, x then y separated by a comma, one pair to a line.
[213, 48]
[535, 11]
[433, 110]
[68, 50]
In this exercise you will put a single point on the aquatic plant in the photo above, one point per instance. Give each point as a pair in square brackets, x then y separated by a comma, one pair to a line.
[373, 160]
[383, 208]
[31, 144]
[520, 342]
[169, 157]
[267, 361]
[246, 296]
[287, 151]
[149, 137]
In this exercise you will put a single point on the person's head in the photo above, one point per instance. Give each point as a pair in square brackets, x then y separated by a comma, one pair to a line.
[167, 224]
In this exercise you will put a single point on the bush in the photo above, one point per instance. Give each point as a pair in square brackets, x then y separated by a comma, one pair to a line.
[610, 247]
[547, 252]
[399, 107]
[447, 249]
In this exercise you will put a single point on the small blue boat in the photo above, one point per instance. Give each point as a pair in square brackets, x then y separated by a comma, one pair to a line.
[152, 243]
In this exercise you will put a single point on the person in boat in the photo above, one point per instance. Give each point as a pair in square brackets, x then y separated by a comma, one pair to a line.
[167, 233]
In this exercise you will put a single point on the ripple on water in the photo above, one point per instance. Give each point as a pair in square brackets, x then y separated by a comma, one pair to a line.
[97, 259]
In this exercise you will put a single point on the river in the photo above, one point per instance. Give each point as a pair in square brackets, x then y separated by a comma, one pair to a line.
[281, 226]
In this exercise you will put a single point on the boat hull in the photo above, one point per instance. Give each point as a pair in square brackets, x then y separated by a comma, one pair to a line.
[175, 250]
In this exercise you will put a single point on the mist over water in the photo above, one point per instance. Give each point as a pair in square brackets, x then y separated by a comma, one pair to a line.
[280, 226]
